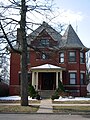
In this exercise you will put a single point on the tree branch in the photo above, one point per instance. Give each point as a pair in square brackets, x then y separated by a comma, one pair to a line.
[17, 51]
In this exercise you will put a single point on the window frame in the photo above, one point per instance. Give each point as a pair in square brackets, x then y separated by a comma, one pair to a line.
[82, 57]
[45, 56]
[61, 58]
[44, 43]
[72, 58]
[82, 79]
[73, 78]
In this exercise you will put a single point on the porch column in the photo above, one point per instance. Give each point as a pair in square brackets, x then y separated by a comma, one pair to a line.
[36, 80]
[33, 79]
[61, 76]
[56, 79]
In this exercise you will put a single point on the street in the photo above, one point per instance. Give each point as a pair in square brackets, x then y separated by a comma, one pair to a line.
[43, 117]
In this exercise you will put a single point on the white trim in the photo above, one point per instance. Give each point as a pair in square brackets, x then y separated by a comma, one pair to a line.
[72, 71]
[82, 71]
[28, 72]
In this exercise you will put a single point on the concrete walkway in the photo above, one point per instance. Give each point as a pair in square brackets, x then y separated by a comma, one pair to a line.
[45, 106]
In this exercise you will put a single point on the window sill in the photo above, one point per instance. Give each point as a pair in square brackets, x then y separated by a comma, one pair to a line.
[72, 62]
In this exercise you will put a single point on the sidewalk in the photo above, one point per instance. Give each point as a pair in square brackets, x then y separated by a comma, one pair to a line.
[45, 106]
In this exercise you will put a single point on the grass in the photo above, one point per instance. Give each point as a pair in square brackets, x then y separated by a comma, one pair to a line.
[71, 102]
[18, 109]
[67, 109]
[18, 101]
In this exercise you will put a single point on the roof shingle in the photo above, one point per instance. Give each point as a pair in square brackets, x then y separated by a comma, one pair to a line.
[71, 40]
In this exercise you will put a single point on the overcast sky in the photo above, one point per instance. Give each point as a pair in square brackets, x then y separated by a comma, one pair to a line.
[74, 12]
[77, 14]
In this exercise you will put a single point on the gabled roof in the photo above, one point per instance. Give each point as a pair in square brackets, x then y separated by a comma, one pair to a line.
[52, 32]
[71, 40]
[47, 66]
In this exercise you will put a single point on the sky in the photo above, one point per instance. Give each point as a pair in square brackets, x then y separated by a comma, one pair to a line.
[74, 12]
[78, 15]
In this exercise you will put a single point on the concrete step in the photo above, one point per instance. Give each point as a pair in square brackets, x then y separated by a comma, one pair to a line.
[46, 93]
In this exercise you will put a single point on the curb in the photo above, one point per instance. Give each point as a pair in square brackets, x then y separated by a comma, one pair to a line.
[60, 113]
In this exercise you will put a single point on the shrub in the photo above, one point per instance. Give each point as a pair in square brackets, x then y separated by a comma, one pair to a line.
[55, 96]
[60, 91]
[4, 89]
[32, 93]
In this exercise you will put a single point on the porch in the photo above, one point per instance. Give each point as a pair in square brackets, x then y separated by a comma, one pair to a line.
[45, 77]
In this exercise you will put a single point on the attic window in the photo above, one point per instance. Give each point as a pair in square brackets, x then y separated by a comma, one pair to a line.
[44, 42]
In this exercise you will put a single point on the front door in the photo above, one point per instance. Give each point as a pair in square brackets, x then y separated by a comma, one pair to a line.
[48, 81]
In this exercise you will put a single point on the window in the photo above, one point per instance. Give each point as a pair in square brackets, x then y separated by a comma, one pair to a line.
[45, 56]
[61, 57]
[82, 58]
[44, 42]
[72, 56]
[72, 77]
[82, 78]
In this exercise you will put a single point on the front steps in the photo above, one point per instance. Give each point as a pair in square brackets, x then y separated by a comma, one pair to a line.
[46, 93]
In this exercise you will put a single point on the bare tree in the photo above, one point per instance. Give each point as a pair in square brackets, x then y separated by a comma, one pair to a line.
[12, 16]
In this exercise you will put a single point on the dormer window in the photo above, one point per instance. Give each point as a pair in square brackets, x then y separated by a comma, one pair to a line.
[44, 42]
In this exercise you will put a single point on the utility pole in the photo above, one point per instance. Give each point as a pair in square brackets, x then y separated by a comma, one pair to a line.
[24, 73]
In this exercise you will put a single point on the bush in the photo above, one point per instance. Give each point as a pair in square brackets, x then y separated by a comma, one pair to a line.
[60, 91]
[4, 89]
[32, 93]
[37, 96]
[55, 96]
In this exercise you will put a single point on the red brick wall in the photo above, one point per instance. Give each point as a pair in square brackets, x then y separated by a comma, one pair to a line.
[54, 59]
[14, 69]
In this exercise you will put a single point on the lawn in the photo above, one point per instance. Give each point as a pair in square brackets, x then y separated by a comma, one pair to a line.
[18, 101]
[18, 109]
[70, 109]
[71, 102]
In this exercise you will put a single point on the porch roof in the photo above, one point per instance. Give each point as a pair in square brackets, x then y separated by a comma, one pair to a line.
[47, 67]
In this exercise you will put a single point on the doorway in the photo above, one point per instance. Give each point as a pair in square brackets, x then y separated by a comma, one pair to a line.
[48, 81]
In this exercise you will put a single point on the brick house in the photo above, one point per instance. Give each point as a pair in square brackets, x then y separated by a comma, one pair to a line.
[54, 58]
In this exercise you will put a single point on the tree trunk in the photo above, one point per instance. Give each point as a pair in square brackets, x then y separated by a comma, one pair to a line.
[24, 78]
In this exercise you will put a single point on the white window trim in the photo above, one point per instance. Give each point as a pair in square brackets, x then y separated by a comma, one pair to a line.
[72, 71]
[82, 71]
